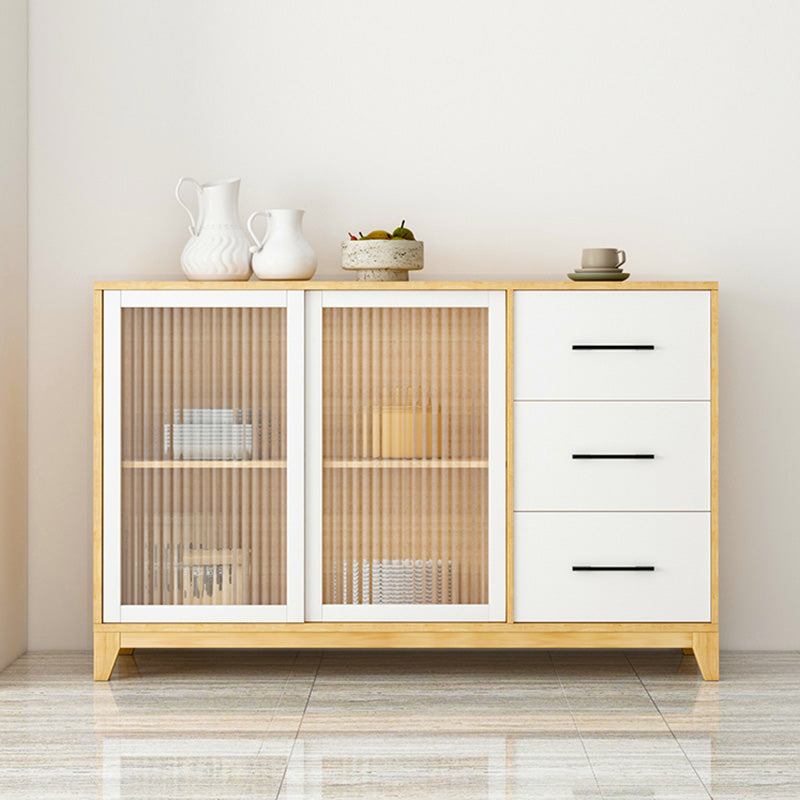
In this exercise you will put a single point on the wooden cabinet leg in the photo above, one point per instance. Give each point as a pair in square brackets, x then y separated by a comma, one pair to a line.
[126, 651]
[687, 651]
[706, 651]
[106, 650]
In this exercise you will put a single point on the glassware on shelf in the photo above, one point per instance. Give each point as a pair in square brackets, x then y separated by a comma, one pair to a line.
[395, 580]
[195, 574]
[402, 430]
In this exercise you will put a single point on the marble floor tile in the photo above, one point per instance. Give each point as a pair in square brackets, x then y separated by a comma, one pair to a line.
[612, 707]
[361, 691]
[446, 766]
[606, 725]
[643, 766]
[592, 665]
[51, 784]
[754, 765]
[545, 766]
[664, 666]
[438, 705]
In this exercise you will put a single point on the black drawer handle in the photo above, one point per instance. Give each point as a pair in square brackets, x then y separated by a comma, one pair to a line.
[613, 347]
[648, 456]
[612, 569]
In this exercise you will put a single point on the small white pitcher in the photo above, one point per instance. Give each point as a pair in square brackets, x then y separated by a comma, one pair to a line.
[283, 254]
[218, 249]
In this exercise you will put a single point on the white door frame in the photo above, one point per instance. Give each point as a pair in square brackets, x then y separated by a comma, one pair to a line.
[495, 609]
[113, 302]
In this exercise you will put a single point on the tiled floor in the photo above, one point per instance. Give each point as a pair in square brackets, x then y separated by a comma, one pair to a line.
[401, 724]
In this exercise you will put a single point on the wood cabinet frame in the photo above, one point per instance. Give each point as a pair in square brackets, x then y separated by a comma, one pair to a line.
[112, 638]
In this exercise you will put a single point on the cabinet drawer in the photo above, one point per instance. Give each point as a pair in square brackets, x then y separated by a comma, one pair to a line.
[630, 456]
[548, 548]
[634, 345]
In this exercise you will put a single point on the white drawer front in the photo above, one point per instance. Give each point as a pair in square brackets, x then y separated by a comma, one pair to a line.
[548, 325]
[548, 546]
[547, 436]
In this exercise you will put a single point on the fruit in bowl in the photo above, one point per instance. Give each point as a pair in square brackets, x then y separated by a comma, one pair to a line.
[403, 233]
[383, 256]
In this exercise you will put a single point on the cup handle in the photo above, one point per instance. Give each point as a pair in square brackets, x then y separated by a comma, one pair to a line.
[199, 188]
[621, 253]
[259, 243]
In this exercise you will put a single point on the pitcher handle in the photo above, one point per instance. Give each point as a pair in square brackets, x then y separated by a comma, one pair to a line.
[259, 243]
[199, 188]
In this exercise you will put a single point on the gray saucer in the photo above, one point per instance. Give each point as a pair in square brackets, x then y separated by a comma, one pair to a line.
[598, 276]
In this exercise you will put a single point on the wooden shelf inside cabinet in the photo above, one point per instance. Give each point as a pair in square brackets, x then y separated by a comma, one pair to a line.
[203, 464]
[408, 463]
[210, 558]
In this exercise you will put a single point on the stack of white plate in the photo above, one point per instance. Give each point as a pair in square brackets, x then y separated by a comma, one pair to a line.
[208, 434]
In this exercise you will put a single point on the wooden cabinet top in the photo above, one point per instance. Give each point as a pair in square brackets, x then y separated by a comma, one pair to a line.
[319, 285]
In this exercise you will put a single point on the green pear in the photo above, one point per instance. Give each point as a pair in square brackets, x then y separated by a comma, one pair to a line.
[403, 233]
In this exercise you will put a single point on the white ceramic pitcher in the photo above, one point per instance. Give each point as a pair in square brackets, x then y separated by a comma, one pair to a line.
[283, 254]
[218, 249]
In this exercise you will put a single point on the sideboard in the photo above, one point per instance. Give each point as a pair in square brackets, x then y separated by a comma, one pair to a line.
[452, 465]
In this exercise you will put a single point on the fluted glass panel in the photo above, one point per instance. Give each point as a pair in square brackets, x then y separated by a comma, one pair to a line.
[405, 455]
[204, 456]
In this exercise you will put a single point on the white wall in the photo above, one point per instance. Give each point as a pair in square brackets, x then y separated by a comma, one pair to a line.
[13, 324]
[508, 135]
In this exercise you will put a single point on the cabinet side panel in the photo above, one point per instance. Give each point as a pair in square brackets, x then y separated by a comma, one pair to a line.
[295, 468]
[496, 422]
[97, 392]
[313, 456]
[715, 457]
[111, 457]
[509, 465]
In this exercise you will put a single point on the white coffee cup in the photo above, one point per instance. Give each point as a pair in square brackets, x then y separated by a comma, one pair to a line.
[603, 257]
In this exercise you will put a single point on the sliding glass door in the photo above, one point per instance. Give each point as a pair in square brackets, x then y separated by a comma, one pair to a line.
[410, 465]
[200, 440]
